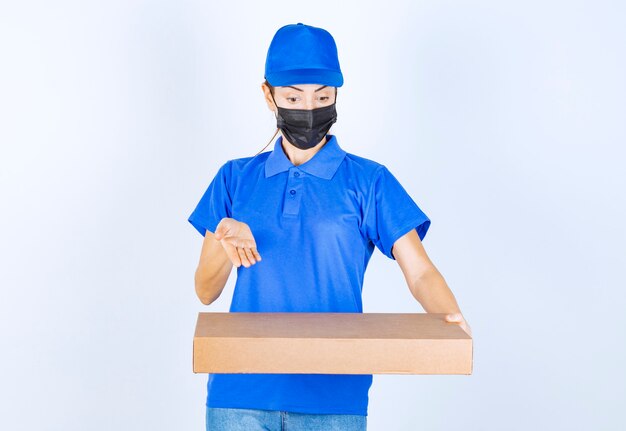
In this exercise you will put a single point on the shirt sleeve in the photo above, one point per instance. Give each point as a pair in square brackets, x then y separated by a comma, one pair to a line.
[215, 204]
[391, 213]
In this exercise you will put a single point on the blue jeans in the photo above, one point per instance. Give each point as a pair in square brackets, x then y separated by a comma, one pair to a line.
[230, 419]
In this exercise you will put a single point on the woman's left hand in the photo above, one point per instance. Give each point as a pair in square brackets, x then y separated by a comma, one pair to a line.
[458, 318]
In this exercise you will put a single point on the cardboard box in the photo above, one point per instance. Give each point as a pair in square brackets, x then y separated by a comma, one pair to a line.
[330, 343]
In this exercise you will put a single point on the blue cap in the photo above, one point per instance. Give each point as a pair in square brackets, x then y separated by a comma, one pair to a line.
[302, 54]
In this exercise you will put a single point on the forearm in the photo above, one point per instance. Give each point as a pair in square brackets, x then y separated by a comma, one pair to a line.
[210, 282]
[213, 270]
[433, 293]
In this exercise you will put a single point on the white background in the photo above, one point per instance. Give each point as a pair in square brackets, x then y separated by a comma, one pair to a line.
[504, 120]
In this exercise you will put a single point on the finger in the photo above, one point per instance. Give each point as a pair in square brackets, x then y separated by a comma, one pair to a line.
[453, 317]
[256, 253]
[248, 245]
[231, 251]
[244, 259]
[249, 255]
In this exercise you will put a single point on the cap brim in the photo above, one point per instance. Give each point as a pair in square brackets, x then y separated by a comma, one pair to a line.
[331, 78]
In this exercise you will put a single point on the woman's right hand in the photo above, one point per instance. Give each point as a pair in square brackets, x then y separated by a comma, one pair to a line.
[236, 238]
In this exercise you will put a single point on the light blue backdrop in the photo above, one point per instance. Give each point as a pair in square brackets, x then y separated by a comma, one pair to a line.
[504, 121]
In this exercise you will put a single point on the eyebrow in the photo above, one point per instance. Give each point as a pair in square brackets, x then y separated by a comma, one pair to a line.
[300, 89]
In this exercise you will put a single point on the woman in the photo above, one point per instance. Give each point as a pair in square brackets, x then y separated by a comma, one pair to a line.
[300, 223]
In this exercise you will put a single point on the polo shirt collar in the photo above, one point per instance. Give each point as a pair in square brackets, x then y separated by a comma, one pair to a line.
[323, 164]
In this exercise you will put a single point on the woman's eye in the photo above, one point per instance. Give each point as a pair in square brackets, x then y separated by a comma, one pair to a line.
[295, 99]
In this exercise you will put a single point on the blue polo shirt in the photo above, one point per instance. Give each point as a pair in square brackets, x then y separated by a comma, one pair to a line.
[316, 226]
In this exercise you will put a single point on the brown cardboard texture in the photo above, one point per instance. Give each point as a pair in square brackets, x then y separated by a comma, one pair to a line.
[330, 343]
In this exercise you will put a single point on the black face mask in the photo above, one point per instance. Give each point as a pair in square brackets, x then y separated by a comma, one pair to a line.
[305, 128]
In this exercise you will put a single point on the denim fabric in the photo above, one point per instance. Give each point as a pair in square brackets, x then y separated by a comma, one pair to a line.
[231, 419]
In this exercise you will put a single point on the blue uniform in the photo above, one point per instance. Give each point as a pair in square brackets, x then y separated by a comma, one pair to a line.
[316, 226]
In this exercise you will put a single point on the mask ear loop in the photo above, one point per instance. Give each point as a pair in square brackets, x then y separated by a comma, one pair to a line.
[269, 142]
[275, 133]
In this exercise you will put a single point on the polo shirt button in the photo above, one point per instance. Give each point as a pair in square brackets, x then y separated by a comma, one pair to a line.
[292, 191]
[296, 174]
